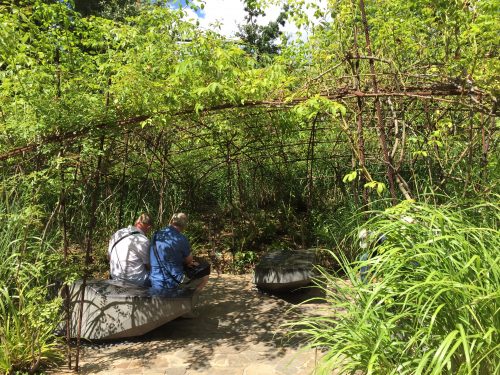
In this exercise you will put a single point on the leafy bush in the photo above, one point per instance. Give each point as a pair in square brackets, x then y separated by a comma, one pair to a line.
[29, 312]
[430, 303]
[27, 324]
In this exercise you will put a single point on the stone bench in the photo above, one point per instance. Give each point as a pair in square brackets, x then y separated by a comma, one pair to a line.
[114, 309]
[285, 270]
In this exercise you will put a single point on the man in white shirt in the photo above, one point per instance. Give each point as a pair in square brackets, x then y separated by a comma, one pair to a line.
[128, 252]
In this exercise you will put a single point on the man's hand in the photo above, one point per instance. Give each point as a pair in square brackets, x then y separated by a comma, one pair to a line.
[189, 262]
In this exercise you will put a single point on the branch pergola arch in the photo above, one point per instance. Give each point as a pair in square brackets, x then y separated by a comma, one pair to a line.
[438, 93]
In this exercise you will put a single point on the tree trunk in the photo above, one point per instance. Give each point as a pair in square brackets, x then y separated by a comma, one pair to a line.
[310, 162]
[359, 122]
[378, 108]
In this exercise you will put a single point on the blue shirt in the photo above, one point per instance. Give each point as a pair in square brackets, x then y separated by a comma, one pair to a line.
[172, 247]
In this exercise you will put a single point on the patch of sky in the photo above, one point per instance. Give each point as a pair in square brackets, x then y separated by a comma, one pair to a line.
[177, 4]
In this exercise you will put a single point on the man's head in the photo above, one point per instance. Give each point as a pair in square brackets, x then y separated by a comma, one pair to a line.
[179, 220]
[144, 223]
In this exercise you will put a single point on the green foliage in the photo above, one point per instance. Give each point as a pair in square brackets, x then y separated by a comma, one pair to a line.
[317, 105]
[431, 299]
[27, 325]
[143, 110]
[115, 9]
[29, 310]
[244, 260]
[378, 186]
[260, 40]
[330, 227]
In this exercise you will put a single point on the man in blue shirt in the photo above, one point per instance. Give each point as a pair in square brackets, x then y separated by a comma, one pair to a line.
[169, 254]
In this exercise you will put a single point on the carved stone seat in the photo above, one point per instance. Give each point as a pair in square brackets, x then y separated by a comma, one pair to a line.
[285, 270]
[114, 309]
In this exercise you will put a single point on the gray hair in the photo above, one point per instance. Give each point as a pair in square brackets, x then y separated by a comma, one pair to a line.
[179, 219]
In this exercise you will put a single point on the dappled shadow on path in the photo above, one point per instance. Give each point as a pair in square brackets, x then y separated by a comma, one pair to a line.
[234, 316]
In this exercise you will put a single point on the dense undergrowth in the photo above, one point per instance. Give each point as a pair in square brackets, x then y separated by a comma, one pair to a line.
[31, 271]
[430, 299]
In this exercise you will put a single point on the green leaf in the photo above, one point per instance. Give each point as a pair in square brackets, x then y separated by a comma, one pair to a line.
[420, 153]
[350, 176]
[198, 107]
[380, 187]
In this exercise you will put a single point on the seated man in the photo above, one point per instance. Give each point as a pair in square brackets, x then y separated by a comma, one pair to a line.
[128, 252]
[170, 253]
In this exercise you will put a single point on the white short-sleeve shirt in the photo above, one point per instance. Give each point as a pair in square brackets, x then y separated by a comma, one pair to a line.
[128, 257]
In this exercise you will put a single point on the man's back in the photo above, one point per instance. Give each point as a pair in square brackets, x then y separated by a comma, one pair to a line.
[129, 253]
[172, 248]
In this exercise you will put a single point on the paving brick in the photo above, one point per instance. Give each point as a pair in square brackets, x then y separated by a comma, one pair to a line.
[238, 333]
[175, 371]
[259, 369]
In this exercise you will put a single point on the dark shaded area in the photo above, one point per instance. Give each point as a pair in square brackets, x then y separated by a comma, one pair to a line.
[113, 9]
[311, 294]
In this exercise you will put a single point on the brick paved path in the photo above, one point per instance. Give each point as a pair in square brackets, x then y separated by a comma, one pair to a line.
[239, 331]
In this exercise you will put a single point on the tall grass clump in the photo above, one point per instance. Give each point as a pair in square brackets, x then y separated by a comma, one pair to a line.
[429, 302]
[29, 307]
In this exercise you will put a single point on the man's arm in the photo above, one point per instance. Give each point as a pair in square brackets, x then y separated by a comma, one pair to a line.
[188, 257]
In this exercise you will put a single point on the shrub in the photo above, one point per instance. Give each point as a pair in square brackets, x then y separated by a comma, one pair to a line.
[430, 303]
[29, 312]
